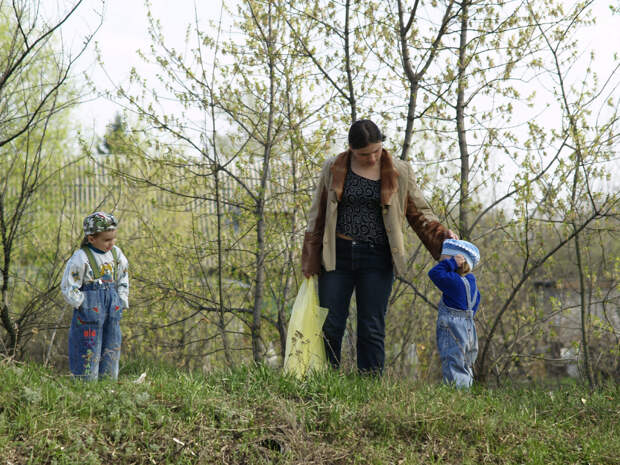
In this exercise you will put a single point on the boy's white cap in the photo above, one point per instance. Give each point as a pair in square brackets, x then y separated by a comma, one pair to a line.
[466, 249]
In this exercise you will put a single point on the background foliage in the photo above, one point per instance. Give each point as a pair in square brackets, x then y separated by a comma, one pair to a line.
[211, 168]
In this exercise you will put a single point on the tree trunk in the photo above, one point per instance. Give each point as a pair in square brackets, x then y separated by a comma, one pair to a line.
[221, 323]
[282, 313]
[347, 53]
[413, 80]
[460, 125]
[257, 349]
[584, 315]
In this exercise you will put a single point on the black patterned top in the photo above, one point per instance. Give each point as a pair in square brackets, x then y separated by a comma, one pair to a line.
[359, 211]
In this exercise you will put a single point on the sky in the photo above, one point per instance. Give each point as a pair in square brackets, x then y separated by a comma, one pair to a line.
[124, 31]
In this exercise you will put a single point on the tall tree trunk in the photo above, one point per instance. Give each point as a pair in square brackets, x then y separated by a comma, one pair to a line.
[585, 349]
[464, 231]
[282, 314]
[403, 31]
[10, 344]
[584, 314]
[347, 53]
[257, 349]
[221, 322]
[413, 77]
[8, 324]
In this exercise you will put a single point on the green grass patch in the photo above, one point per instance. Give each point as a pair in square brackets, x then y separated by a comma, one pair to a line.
[254, 415]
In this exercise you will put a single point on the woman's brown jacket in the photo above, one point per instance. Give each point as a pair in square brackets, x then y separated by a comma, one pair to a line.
[400, 199]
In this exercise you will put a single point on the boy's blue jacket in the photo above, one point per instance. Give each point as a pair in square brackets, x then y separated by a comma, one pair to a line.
[448, 281]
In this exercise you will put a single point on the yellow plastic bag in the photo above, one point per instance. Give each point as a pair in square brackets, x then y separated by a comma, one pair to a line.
[305, 350]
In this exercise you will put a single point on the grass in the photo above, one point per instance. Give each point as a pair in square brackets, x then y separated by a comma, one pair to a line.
[255, 415]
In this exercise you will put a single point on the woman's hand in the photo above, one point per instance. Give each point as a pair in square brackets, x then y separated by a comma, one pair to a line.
[452, 235]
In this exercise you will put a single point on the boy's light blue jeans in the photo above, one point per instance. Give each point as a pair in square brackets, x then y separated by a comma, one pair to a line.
[95, 334]
[457, 342]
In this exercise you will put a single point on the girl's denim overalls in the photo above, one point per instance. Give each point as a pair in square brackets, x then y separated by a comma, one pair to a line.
[457, 341]
[95, 334]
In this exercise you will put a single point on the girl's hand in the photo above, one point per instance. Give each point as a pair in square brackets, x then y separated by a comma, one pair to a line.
[459, 259]
[452, 235]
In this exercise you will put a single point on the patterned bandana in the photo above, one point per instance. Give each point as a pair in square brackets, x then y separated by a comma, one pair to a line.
[98, 222]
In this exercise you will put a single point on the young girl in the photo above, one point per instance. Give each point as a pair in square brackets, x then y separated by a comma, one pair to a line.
[96, 285]
[457, 340]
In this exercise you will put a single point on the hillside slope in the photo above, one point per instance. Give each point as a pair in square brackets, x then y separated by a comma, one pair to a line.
[255, 416]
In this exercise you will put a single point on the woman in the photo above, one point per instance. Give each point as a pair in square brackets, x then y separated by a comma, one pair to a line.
[354, 239]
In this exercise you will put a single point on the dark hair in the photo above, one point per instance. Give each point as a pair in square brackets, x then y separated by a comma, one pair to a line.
[85, 240]
[364, 132]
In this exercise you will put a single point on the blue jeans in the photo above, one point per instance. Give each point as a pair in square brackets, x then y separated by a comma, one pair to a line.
[95, 333]
[457, 342]
[368, 269]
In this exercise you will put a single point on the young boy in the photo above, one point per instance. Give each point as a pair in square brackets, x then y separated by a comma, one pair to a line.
[457, 340]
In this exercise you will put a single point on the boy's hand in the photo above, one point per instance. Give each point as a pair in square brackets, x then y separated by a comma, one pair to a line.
[459, 259]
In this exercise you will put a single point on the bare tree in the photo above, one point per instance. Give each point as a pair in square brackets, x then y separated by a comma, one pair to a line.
[415, 77]
[337, 39]
[447, 75]
[34, 90]
[583, 198]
